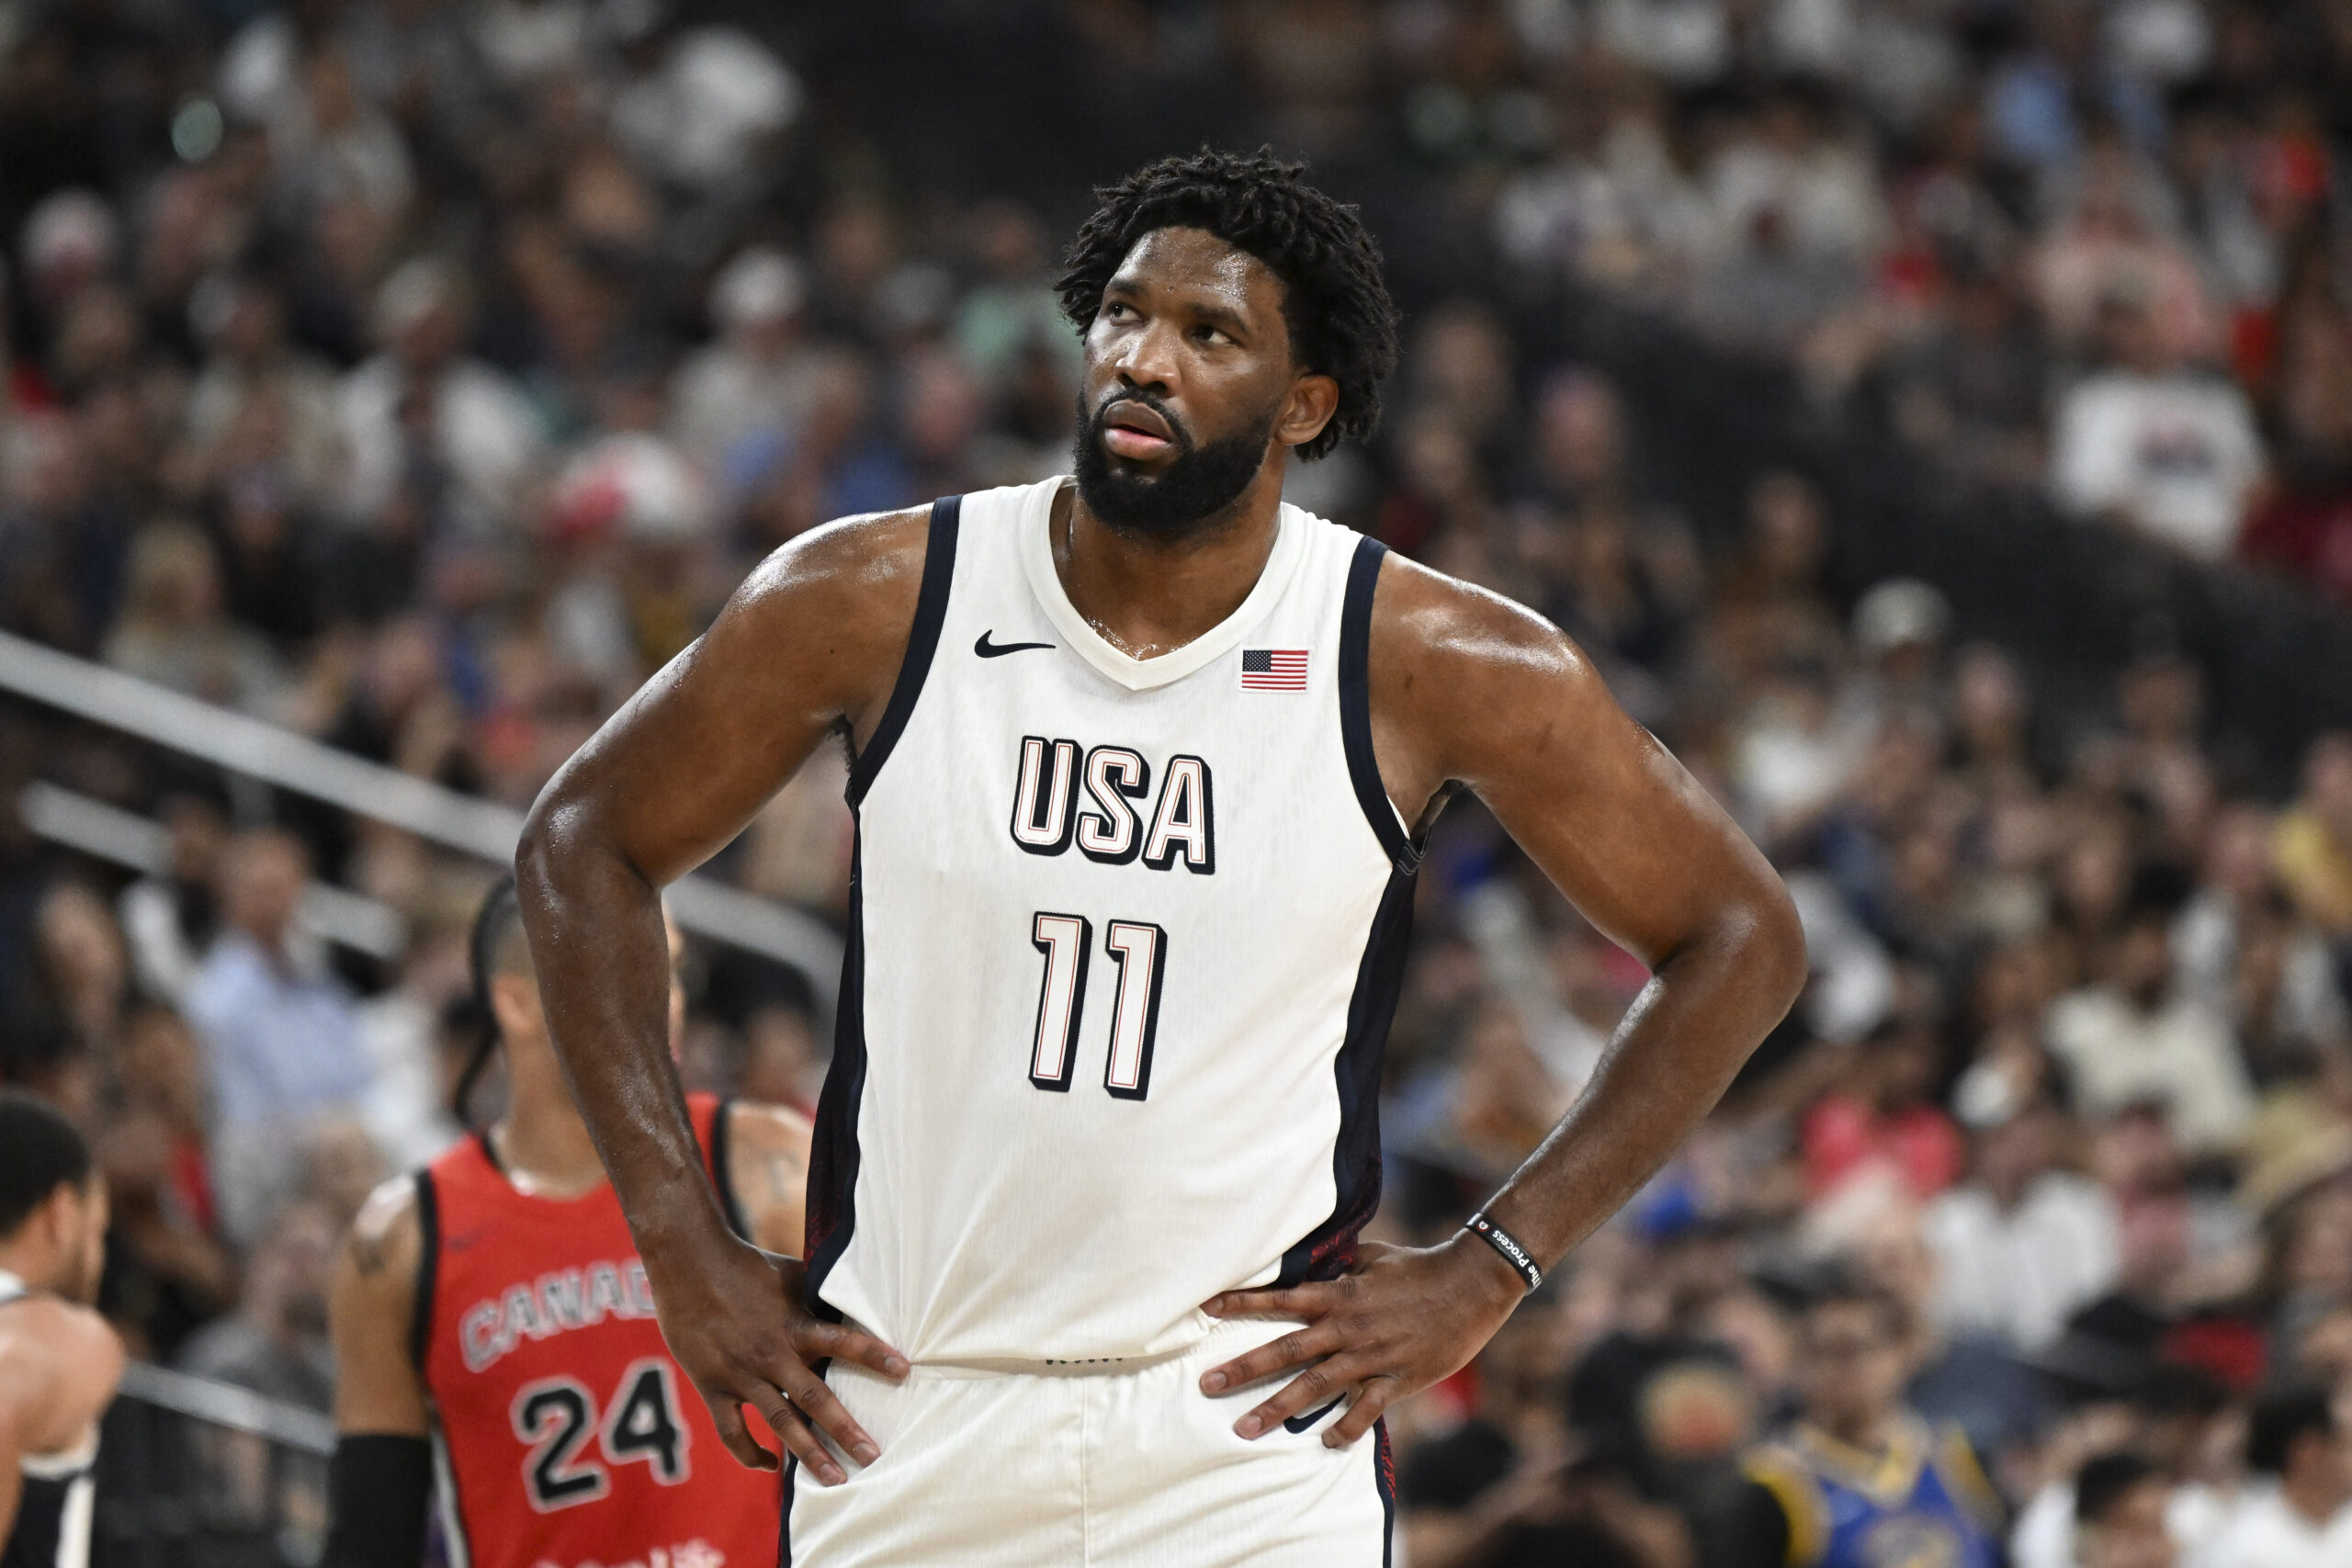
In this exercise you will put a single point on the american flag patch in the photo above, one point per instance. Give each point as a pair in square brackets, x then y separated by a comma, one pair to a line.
[1273, 669]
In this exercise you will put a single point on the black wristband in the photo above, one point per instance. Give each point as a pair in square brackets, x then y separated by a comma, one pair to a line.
[1502, 1241]
[380, 1488]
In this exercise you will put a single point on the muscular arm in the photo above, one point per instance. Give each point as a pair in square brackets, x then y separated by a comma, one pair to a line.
[1468, 688]
[379, 1480]
[371, 1309]
[767, 1163]
[60, 1364]
[811, 642]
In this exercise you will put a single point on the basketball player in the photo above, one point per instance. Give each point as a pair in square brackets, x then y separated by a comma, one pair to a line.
[1142, 763]
[492, 1302]
[58, 1361]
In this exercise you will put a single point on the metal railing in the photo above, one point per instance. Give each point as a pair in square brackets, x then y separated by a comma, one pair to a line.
[136, 843]
[193, 1474]
[481, 828]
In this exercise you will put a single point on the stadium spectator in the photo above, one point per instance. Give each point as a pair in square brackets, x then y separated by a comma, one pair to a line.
[2024, 1242]
[2132, 1038]
[2119, 1507]
[2152, 447]
[281, 1039]
[275, 1341]
[2295, 1440]
[169, 918]
[1859, 1463]
[2311, 847]
[426, 423]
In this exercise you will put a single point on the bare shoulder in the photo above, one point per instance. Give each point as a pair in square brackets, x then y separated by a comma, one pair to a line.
[60, 1363]
[52, 1326]
[819, 627]
[757, 1127]
[767, 1165]
[387, 1239]
[811, 642]
[867, 566]
[1426, 623]
[1462, 676]
[372, 1312]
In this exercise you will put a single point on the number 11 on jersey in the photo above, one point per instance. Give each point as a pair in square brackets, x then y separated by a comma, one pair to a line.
[1139, 949]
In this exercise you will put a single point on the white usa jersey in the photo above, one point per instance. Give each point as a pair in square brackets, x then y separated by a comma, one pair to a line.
[1126, 937]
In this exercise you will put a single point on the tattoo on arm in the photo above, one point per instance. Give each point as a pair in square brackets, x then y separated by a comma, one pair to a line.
[367, 1255]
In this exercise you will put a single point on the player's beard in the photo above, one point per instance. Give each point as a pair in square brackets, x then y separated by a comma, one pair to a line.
[1194, 486]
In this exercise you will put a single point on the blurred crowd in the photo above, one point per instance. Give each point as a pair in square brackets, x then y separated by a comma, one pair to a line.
[2092, 245]
[420, 377]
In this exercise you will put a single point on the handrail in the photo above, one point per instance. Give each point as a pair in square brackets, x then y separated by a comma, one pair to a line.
[482, 829]
[134, 843]
[226, 1405]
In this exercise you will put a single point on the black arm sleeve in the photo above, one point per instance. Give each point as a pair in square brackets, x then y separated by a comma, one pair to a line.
[379, 1486]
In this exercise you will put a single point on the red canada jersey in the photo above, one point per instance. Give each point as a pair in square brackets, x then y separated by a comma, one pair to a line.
[569, 1438]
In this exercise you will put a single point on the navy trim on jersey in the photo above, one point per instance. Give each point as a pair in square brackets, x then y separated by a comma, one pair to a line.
[1324, 1252]
[832, 1146]
[1355, 707]
[923, 641]
[720, 1177]
[428, 1266]
[1383, 1475]
[833, 1153]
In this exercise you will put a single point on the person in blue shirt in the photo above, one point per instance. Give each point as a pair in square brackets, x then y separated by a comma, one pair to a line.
[281, 1036]
[1860, 1480]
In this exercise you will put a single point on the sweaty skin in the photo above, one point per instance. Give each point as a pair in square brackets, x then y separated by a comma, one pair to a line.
[1467, 688]
[60, 1361]
[59, 1366]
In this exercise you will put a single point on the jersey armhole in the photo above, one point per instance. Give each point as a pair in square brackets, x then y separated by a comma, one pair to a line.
[721, 1175]
[1355, 707]
[1800, 1503]
[428, 1267]
[923, 641]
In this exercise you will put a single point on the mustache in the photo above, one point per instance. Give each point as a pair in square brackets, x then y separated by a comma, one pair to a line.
[1176, 427]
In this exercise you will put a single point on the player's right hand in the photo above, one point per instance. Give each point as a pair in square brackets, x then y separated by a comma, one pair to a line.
[738, 1321]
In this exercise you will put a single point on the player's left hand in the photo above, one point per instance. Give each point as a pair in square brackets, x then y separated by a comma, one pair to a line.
[1399, 1321]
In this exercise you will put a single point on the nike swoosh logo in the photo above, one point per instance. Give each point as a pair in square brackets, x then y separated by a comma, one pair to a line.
[1301, 1422]
[987, 649]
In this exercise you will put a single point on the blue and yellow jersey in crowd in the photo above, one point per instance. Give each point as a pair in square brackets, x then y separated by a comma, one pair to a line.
[1921, 1502]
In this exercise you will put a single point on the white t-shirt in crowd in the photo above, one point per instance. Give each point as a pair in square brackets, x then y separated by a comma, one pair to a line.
[2018, 1273]
[2044, 1536]
[2267, 1532]
[2177, 453]
[2180, 1055]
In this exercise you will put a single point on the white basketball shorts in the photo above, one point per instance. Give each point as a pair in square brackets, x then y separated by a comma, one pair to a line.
[1125, 1466]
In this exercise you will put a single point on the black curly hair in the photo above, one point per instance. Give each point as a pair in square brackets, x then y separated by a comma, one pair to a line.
[1342, 324]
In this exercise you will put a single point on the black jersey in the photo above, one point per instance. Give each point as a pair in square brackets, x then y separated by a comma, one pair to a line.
[52, 1528]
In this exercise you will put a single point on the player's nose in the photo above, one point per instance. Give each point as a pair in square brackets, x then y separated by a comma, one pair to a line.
[1147, 359]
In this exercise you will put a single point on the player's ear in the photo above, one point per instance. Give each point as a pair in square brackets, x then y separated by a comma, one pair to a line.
[1314, 399]
[515, 999]
[60, 1216]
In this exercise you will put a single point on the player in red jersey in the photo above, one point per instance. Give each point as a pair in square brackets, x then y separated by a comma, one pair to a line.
[492, 1306]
